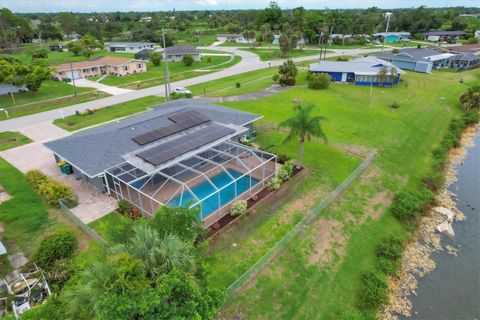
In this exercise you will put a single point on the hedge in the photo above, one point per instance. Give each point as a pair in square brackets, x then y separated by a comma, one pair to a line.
[50, 190]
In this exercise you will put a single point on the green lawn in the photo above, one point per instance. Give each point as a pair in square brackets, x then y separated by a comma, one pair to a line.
[249, 82]
[10, 140]
[318, 275]
[76, 122]
[158, 72]
[273, 54]
[108, 224]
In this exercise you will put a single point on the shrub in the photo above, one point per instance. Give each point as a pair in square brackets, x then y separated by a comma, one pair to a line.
[395, 51]
[123, 207]
[239, 207]
[40, 54]
[238, 85]
[408, 206]
[50, 190]
[275, 78]
[155, 58]
[471, 117]
[58, 273]
[374, 292]
[395, 105]
[187, 60]
[274, 184]
[319, 81]
[209, 59]
[176, 96]
[389, 251]
[287, 170]
[435, 180]
[342, 58]
[56, 246]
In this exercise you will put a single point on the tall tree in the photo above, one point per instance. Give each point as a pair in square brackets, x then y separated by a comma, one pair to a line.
[68, 22]
[303, 126]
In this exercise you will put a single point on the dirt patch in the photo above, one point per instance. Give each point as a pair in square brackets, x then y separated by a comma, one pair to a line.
[377, 204]
[326, 234]
[355, 149]
[4, 196]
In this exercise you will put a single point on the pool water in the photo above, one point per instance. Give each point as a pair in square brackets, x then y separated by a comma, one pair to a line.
[204, 189]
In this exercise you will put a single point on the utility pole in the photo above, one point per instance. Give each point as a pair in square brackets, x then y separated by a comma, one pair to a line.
[167, 73]
[73, 80]
[387, 14]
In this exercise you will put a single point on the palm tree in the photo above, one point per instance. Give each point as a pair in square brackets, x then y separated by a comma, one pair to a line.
[304, 125]
[288, 72]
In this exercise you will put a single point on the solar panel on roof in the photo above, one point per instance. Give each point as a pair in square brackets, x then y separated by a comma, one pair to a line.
[191, 141]
[183, 120]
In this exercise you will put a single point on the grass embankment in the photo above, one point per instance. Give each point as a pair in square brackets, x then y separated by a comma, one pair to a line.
[178, 71]
[11, 139]
[319, 275]
[249, 82]
[26, 218]
[76, 122]
[274, 54]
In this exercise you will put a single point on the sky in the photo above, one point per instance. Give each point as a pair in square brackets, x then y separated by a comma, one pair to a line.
[166, 5]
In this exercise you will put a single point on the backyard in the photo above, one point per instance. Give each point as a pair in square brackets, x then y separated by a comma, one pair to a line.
[319, 273]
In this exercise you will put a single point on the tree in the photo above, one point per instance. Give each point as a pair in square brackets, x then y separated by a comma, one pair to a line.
[249, 35]
[271, 15]
[284, 46]
[264, 29]
[470, 99]
[88, 44]
[319, 81]
[50, 31]
[32, 76]
[187, 60]
[386, 74]
[155, 58]
[269, 37]
[68, 22]
[304, 125]
[287, 72]
[182, 221]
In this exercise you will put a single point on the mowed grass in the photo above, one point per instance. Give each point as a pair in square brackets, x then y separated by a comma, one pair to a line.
[274, 54]
[317, 278]
[159, 71]
[66, 57]
[76, 122]
[11, 139]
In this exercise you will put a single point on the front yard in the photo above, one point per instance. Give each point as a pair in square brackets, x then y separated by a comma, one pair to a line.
[10, 140]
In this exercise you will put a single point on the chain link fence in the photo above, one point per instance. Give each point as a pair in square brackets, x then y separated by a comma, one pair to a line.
[64, 205]
[300, 226]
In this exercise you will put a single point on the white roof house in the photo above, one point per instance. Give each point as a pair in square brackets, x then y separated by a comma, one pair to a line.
[365, 66]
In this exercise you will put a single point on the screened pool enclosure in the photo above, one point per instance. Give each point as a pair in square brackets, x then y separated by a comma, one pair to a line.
[210, 179]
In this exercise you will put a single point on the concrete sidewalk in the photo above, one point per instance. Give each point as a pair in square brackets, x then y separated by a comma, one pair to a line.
[100, 86]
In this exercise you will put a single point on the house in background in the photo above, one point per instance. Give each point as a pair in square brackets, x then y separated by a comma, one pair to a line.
[420, 60]
[468, 48]
[145, 19]
[441, 36]
[117, 66]
[6, 89]
[183, 152]
[392, 36]
[129, 47]
[362, 71]
[242, 39]
[276, 39]
[176, 53]
[222, 37]
[143, 54]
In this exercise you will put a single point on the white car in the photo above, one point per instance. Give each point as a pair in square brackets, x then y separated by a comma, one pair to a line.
[182, 90]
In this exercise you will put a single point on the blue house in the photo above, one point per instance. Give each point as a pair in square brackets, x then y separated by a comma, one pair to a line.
[419, 60]
[361, 72]
[392, 36]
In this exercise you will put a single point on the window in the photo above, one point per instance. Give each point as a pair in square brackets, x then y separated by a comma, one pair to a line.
[139, 66]
[131, 48]
[84, 70]
[125, 68]
[93, 69]
[119, 48]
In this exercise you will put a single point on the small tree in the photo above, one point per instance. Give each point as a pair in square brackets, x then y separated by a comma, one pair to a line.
[319, 81]
[187, 60]
[284, 46]
[287, 72]
[249, 35]
[155, 58]
[304, 125]
[268, 38]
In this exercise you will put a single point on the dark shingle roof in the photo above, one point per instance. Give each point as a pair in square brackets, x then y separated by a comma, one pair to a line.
[444, 33]
[97, 149]
[410, 54]
[182, 50]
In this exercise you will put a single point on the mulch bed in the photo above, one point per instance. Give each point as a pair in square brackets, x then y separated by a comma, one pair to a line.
[229, 219]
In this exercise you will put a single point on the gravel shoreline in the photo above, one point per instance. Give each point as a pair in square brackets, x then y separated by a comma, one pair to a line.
[417, 261]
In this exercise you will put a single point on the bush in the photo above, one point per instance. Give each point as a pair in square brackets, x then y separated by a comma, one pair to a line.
[374, 292]
[435, 180]
[209, 59]
[187, 60]
[342, 58]
[238, 207]
[286, 171]
[176, 96]
[155, 58]
[40, 54]
[389, 251]
[123, 207]
[471, 117]
[51, 190]
[319, 81]
[274, 184]
[237, 85]
[395, 105]
[395, 51]
[58, 273]
[409, 206]
[56, 246]
[275, 78]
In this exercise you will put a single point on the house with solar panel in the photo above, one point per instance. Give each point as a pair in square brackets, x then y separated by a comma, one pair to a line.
[183, 152]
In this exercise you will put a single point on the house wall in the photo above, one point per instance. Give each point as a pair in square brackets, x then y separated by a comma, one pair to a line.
[362, 80]
[337, 76]
[126, 69]
[179, 57]
[392, 38]
[128, 49]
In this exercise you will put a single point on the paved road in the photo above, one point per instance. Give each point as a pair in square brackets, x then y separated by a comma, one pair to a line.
[250, 62]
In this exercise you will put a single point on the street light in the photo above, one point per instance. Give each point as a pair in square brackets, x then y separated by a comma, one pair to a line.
[388, 15]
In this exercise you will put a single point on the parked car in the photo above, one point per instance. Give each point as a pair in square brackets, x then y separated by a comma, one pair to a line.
[181, 90]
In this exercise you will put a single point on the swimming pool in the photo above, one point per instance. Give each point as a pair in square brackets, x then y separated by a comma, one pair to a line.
[204, 189]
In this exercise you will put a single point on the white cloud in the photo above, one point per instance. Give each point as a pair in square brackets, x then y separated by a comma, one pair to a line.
[207, 2]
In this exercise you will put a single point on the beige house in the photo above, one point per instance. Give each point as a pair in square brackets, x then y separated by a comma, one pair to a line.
[117, 66]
